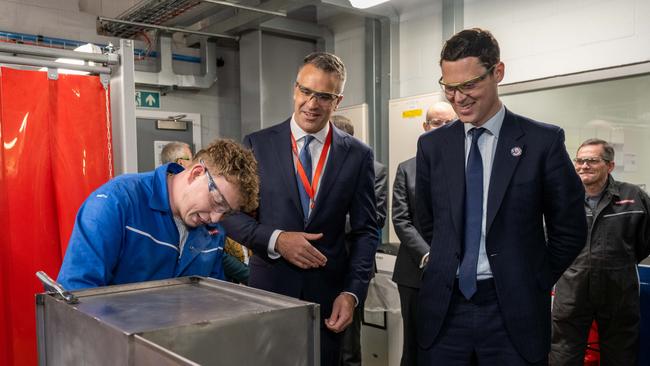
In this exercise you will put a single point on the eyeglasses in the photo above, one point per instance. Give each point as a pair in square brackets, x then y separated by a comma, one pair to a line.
[437, 122]
[322, 98]
[588, 161]
[219, 202]
[466, 86]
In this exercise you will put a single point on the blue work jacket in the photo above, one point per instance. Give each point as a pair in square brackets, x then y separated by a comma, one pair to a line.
[125, 232]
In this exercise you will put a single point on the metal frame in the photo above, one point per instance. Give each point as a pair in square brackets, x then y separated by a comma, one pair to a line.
[125, 149]
[453, 17]
[583, 77]
[21, 49]
[154, 14]
[165, 28]
[377, 83]
[15, 60]
[244, 7]
[46, 52]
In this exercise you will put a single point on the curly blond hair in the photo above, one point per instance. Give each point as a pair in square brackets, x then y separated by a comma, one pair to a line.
[237, 165]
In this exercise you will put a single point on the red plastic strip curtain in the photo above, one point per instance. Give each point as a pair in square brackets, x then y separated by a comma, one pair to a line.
[56, 149]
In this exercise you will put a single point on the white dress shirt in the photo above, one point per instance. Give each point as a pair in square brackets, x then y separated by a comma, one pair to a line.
[487, 145]
[315, 149]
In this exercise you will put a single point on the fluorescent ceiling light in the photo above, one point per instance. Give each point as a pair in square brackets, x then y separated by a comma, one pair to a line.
[363, 4]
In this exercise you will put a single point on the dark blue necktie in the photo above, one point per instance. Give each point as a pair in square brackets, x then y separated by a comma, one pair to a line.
[473, 216]
[305, 160]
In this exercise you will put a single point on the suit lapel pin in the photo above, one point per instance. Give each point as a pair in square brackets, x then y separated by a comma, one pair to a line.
[515, 151]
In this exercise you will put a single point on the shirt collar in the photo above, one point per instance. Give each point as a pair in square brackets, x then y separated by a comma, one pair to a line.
[159, 199]
[493, 125]
[299, 133]
[608, 188]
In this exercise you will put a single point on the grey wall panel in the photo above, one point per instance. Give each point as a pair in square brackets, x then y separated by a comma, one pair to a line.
[281, 58]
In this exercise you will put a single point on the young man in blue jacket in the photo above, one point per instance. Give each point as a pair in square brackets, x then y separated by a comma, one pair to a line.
[161, 224]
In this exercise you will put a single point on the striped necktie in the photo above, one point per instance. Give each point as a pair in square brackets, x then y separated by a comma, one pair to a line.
[305, 160]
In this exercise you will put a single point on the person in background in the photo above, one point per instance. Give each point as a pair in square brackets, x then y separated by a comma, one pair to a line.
[602, 284]
[488, 187]
[312, 176]
[351, 346]
[412, 249]
[438, 115]
[381, 173]
[176, 152]
[161, 224]
[235, 262]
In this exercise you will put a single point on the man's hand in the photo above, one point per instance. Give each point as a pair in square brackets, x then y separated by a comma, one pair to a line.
[342, 312]
[295, 248]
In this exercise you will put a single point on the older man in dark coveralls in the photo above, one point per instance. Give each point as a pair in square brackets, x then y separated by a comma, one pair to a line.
[602, 284]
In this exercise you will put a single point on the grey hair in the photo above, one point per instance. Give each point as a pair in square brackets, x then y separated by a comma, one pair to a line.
[329, 63]
[608, 150]
[173, 151]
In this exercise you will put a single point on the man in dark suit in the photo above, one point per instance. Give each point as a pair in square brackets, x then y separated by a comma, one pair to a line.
[298, 237]
[412, 249]
[351, 343]
[489, 187]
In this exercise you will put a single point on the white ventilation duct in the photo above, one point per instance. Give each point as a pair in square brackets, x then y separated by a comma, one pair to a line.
[166, 76]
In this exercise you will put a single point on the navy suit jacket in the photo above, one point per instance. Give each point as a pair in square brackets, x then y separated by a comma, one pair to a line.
[533, 183]
[347, 186]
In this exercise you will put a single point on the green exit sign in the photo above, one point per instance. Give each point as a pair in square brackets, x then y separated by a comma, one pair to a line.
[147, 99]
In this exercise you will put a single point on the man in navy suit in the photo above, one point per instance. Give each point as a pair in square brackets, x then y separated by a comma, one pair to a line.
[501, 206]
[311, 176]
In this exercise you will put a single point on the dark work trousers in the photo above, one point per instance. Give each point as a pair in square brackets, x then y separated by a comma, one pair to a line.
[351, 346]
[408, 297]
[473, 333]
[611, 297]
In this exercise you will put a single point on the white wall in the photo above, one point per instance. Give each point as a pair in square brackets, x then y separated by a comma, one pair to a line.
[420, 42]
[544, 38]
[537, 38]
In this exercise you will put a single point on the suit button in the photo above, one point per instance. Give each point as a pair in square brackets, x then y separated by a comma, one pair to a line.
[457, 255]
[448, 288]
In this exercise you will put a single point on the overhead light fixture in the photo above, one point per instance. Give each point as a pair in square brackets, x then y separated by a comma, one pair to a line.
[363, 4]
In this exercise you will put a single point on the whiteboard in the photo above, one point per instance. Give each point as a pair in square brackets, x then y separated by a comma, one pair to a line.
[405, 117]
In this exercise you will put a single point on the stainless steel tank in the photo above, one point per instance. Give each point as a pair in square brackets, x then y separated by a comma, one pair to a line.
[182, 321]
